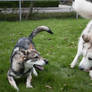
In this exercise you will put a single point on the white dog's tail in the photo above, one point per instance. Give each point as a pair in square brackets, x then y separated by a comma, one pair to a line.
[83, 7]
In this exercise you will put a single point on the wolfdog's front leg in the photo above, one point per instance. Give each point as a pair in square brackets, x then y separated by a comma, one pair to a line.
[28, 82]
[35, 72]
[12, 82]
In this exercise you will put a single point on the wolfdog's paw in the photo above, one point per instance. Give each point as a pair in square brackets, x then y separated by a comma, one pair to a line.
[29, 86]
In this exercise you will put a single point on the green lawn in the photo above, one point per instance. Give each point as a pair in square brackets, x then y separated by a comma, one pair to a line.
[59, 48]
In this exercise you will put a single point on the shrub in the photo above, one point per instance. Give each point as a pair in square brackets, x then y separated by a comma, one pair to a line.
[26, 4]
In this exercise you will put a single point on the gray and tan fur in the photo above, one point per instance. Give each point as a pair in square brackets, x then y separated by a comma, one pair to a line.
[25, 58]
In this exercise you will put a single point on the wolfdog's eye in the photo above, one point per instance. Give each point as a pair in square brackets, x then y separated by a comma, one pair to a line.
[89, 58]
[36, 57]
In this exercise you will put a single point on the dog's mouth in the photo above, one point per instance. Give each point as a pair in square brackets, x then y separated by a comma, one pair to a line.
[39, 67]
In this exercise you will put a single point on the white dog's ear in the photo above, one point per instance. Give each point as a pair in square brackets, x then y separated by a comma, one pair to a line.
[85, 37]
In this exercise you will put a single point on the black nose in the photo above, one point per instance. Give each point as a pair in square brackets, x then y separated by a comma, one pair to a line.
[81, 68]
[46, 61]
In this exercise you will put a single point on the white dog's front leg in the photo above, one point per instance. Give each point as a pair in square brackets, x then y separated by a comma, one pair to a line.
[28, 82]
[90, 74]
[79, 53]
[75, 60]
[12, 82]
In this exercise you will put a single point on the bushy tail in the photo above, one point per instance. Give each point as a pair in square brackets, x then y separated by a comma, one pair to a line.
[39, 29]
[83, 7]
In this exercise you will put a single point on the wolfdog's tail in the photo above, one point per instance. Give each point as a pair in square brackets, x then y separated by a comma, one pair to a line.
[39, 29]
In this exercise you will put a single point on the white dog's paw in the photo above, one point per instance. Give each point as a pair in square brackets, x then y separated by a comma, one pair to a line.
[90, 74]
[17, 89]
[72, 65]
[29, 86]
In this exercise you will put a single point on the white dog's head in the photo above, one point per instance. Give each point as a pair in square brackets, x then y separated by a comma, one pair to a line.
[86, 63]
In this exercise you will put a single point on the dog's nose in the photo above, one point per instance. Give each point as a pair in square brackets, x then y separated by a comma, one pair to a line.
[46, 61]
[81, 68]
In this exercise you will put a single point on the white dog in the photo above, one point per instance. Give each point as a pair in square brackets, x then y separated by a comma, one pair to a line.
[84, 8]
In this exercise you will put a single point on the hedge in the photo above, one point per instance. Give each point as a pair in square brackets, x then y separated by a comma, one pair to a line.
[26, 4]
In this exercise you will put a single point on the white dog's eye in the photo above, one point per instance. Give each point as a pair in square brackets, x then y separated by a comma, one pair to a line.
[89, 58]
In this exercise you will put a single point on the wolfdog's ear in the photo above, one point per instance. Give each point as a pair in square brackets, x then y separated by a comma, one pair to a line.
[23, 51]
[31, 47]
[85, 37]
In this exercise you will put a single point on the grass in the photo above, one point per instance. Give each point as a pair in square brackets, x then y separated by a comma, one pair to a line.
[59, 49]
